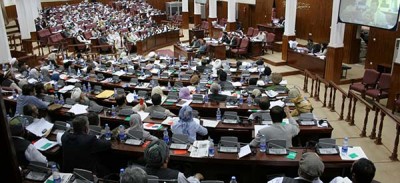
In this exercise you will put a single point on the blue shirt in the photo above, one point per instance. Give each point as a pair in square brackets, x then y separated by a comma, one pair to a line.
[193, 128]
[23, 100]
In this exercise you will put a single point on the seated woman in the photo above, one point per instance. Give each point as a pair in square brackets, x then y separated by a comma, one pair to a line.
[186, 124]
[184, 93]
[276, 79]
[302, 105]
[136, 124]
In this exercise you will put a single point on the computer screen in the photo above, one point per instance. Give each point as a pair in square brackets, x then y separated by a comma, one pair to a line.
[382, 14]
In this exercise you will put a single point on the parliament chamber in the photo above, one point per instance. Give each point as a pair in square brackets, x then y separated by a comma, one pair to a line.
[221, 58]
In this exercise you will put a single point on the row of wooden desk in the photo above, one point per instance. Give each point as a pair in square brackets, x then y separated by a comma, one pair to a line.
[157, 41]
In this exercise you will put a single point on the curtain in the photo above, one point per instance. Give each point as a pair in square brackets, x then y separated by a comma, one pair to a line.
[3, 10]
[5, 54]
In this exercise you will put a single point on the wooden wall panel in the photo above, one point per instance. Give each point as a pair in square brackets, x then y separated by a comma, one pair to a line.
[245, 16]
[380, 47]
[263, 12]
[352, 44]
[314, 16]
[222, 9]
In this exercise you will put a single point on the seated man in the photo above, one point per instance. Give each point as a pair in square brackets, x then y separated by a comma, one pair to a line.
[81, 150]
[156, 156]
[362, 171]
[94, 119]
[222, 80]
[31, 110]
[310, 169]
[276, 79]
[121, 101]
[278, 130]
[202, 49]
[24, 149]
[156, 100]
[264, 106]
[28, 97]
[195, 42]
[302, 104]
[133, 174]
[215, 96]
[81, 38]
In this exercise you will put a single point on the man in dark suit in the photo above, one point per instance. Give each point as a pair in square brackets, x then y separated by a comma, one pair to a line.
[81, 150]
[215, 96]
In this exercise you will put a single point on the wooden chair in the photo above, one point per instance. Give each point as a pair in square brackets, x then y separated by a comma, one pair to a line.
[255, 32]
[369, 80]
[269, 44]
[382, 89]
[250, 32]
[242, 50]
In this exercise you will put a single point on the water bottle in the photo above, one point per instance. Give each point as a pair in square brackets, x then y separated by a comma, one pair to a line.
[121, 134]
[56, 174]
[206, 98]
[345, 146]
[113, 112]
[14, 94]
[218, 115]
[211, 150]
[263, 144]
[55, 86]
[56, 98]
[135, 97]
[241, 80]
[233, 180]
[241, 100]
[89, 88]
[166, 137]
[107, 133]
[169, 85]
[249, 101]
[69, 70]
[79, 72]
[159, 73]
[179, 74]
[121, 171]
[84, 88]
[61, 100]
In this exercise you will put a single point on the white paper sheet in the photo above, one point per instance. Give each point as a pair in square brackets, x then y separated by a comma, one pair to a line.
[130, 98]
[237, 84]
[59, 135]
[78, 109]
[143, 115]
[67, 88]
[271, 93]
[210, 123]
[72, 80]
[277, 103]
[43, 144]
[119, 73]
[184, 102]
[39, 126]
[32, 81]
[353, 153]
[200, 149]
[228, 93]
[283, 82]
[245, 150]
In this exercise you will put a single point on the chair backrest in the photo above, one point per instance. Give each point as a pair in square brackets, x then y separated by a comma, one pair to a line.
[94, 130]
[87, 34]
[255, 32]
[371, 76]
[180, 138]
[229, 141]
[250, 31]
[384, 81]
[270, 37]
[244, 43]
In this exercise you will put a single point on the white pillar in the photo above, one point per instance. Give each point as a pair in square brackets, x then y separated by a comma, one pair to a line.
[185, 5]
[212, 9]
[290, 17]
[197, 8]
[231, 11]
[5, 55]
[337, 29]
[25, 19]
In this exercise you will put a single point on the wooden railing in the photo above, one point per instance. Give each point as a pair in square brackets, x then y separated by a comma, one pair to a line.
[332, 98]
[308, 75]
[386, 112]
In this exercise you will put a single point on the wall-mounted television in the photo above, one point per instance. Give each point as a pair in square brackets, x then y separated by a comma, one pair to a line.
[201, 1]
[382, 14]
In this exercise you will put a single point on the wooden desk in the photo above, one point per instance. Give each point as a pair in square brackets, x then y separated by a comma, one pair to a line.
[255, 48]
[251, 168]
[278, 31]
[180, 51]
[304, 61]
[217, 51]
[199, 33]
[157, 41]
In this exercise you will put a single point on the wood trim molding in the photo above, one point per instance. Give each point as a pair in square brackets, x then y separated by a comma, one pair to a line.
[333, 65]
[285, 45]
[185, 20]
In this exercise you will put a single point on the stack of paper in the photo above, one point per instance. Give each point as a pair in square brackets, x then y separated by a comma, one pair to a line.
[143, 115]
[210, 123]
[353, 153]
[199, 148]
[43, 144]
[277, 103]
[271, 93]
[105, 94]
[119, 73]
[237, 84]
[65, 89]
[78, 109]
[40, 127]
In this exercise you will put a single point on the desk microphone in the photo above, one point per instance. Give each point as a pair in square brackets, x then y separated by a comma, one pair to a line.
[179, 140]
[277, 146]
[83, 178]
[132, 136]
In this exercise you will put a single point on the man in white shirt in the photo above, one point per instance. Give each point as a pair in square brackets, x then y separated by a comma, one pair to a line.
[24, 149]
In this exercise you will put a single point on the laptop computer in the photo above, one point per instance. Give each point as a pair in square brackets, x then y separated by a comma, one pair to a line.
[197, 99]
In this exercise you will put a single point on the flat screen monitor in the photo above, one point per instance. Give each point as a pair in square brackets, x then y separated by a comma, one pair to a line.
[201, 1]
[382, 14]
